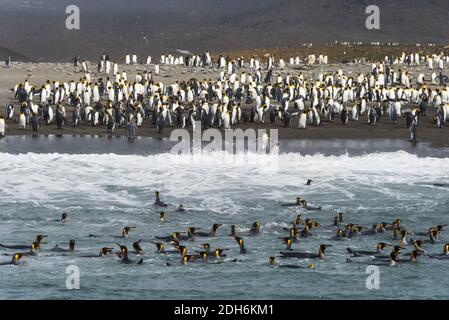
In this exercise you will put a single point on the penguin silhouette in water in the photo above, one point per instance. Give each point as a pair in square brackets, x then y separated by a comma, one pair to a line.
[158, 201]
[309, 182]
[413, 133]
[124, 256]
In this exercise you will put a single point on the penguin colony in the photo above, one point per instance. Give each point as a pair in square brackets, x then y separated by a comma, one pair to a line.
[243, 92]
[191, 246]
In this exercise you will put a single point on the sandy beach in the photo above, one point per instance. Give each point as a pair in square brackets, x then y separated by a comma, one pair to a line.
[39, 73]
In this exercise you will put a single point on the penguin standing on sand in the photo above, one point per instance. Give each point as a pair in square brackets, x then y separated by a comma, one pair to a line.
[9, 112]
[22, 121]
[372, 116]
[60, 117]
[303, 120]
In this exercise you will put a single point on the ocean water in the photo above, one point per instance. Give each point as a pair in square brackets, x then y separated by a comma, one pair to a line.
[103, 191]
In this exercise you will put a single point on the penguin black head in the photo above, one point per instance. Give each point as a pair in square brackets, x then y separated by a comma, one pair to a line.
[161, 216]
[160, 246]
[219, 253]
[72, 245]
[255, 226]
[240, 241]
[126, 230]
[16, 258]
[182, 250]
[137, 247]
[175, 243]
[185, 259]
[272, 261]
[215, 226]
[340, 216]
[204, 255]
[309, 182]
[104, 251]
[64, 217]
[40, 237]
[298, 200]
[206, 246]
[323, 247]
[35, 246]
[396, 249]
[381, 245]
[123, 250]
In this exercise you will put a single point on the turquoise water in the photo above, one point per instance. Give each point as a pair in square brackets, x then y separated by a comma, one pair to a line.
[104, 192]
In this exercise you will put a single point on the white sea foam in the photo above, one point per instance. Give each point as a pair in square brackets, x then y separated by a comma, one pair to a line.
[38, 176]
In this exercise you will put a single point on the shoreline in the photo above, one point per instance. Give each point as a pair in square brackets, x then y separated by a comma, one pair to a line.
[354, 130]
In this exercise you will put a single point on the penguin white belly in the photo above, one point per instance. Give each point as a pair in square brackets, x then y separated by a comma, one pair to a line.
[2, 127]
[445, 112]
[22, 121]
[226, 121]
[139, 120]
[354, 111]
[96, 115]
[50, 114]
[302, 121]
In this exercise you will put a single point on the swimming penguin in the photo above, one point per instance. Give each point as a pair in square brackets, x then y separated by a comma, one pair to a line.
[161, 216]
[444, 255]
[39, 239]
[288, 243]
[379, 251]
[35, 246]
[307, 255]
[307, 207]
[309, 182]
[137, 248]
[305, 233]
[241, 245]
[103, 252]
[339, 235]
[63, 219]
[255, 229]
[392, 260]
[174, 236]
[125, 233]
[181, 208]
[294, 204]
[212, 232]
[160, 248]
[124, 256]
[71, 248]
[274, 263]
[158, 201]
[14, 261]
